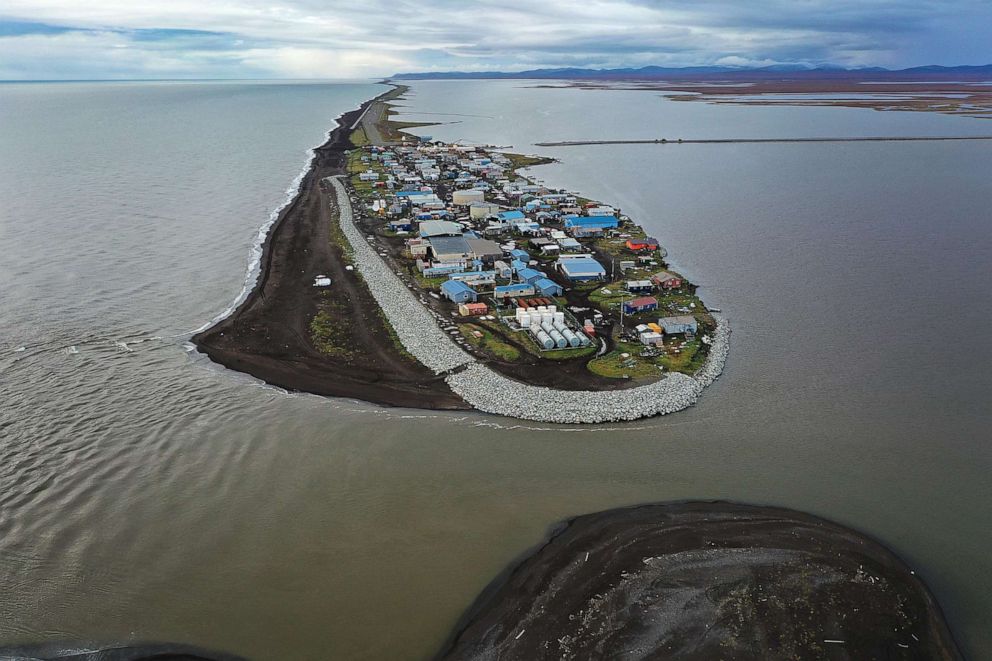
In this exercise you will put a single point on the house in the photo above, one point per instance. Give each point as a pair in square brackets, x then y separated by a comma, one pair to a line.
[520, 254]
[440, 270]
[431, 228]
[547, 287]
[449, 248]
[666, 280]
[570, 245]
[401, 225]
[642, 304]
[510, 216]
[509, 291]
[637, 245]
[601, 211]
[475, 278]
[627, 265]
[525, 226]
[639, 286]
[580, 268]
[599, 223]
[472, 309]
[368, 175]
[682, 324]
[418, 247]
[503, 270]
[458, 292]
[550, 249]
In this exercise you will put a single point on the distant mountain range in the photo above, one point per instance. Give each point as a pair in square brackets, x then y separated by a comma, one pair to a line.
[652, 72]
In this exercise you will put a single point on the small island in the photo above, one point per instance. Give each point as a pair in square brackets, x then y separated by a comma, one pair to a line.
[704, 580]
[518, 299]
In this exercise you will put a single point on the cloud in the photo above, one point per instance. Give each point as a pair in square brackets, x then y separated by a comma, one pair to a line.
[321, 38]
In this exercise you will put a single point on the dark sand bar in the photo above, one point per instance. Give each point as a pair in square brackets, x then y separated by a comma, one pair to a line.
[704, 580]
[268, 335]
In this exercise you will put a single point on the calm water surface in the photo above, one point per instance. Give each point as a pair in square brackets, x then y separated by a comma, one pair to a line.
[149, 495]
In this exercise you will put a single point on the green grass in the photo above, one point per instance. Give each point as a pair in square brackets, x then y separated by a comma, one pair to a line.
[613, 365]
[358, 137]
[329, 330]
[489, 342]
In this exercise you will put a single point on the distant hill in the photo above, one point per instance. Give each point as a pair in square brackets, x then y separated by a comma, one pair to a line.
[653, 72]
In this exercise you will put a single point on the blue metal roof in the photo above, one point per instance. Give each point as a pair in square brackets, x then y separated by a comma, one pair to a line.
[511, 215]
[545, 285]
[591, 221]
[522, 286]
[529, 274]
[455, 287]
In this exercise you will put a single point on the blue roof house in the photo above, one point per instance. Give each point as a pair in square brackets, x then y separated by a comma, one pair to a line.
[458, 292]
[547, 287]
[507, 291]
[530, 276]
[510, 216]
[522, 255]
[591, 222]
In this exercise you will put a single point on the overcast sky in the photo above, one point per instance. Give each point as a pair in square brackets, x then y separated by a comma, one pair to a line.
[56, 39]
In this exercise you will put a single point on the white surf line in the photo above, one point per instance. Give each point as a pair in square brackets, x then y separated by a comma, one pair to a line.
[490, 391]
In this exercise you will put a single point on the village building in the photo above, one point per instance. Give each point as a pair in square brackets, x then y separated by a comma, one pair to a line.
[458, 292]
[450, 248]
[666, 280]
[642, 304]
[679, 325]
[580, 268]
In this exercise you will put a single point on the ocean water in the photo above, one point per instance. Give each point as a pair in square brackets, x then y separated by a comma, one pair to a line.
[149, 495]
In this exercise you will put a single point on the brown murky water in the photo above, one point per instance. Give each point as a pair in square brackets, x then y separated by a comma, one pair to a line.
[147, 495]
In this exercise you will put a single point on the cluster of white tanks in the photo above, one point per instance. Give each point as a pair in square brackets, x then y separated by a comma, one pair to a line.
[547, 324]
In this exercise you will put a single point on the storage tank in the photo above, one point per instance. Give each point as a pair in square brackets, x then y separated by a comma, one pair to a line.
[559, 339]
[585, 339]
[559, 318]
[524, 320]
[547, 327]
[466, 197]
[544, 340]
[573, 339]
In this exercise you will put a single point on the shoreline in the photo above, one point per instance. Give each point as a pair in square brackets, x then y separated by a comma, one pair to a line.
[265, 334]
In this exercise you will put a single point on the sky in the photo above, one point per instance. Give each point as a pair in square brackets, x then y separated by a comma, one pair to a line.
[332, 39]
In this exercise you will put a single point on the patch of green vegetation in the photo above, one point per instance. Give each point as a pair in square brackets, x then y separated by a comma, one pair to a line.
[329, 330]
[489, 342]
[518, 161]
[615, 366]
[358, 137]
[569, 354]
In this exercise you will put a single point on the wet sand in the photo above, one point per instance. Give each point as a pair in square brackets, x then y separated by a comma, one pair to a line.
[268, 335]
[704, 580]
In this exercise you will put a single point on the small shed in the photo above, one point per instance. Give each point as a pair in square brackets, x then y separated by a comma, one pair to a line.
[472, 309]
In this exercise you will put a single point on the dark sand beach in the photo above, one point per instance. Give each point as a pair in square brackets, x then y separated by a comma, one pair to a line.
[704, 580]
[268, 335]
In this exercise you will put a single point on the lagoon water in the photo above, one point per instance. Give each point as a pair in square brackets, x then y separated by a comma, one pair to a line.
[146, 494]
